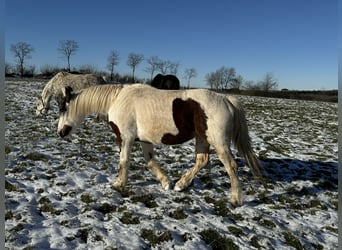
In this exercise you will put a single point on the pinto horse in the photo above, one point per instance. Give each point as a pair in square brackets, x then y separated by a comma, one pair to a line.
[142, 113]
[57, 84]
[165, 82]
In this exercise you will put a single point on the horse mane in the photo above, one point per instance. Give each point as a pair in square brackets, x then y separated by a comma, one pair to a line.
[95, 99]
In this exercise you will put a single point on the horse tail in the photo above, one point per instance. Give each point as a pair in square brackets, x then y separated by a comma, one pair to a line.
[241, 139]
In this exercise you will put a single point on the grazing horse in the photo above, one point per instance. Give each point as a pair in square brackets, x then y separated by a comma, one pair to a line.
[165, 82]
[142, 113]
[57, 84]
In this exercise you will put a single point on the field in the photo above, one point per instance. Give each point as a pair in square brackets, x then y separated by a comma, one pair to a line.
[59, 196]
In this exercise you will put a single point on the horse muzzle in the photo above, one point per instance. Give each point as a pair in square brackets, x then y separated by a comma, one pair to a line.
[64, 131]
[41, 112]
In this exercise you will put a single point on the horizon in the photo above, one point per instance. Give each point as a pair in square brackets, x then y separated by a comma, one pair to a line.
[295, 41]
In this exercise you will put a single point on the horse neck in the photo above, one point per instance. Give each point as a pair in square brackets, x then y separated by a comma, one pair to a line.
[88, 102]
[46, 95]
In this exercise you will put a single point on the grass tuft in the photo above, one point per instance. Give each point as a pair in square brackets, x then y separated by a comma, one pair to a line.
[10, 187]
[128, 218]
[238, 232]
[147, 199]
[106, 208]
[36, 156]
[214, 239]
[178, 214]
[153, 238]
[292, 241]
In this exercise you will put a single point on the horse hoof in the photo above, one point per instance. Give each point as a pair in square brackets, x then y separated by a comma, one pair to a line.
[178, 189]
[236, 203]
[167, 186]
[117, 185]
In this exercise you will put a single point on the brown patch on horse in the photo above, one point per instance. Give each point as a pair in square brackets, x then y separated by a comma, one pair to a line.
[116, 130]
[190, 120]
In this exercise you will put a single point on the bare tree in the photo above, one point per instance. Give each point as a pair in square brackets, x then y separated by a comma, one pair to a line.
[164, 66]
[228, 76]
[268, 82]
[113, 60]
[21, 51]
[67, 48]
[168, 67]
[30, 70]
[49, 70]
[174, 68]
[88, 69]
[133, 61]
[212, 80]
[224, 78]
[251, 85]
[237, 82]
[8, 68]
[190, 73]
[153, 63]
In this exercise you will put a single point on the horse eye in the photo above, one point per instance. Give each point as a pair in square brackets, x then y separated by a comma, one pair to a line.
[62, 106]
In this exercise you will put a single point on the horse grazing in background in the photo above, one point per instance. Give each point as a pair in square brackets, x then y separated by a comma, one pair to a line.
[142, 113]
[165, 82]
[56, 85]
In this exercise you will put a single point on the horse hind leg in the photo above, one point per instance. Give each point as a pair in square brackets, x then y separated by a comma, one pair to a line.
[227, 158]
[202, 159]
[154, 166]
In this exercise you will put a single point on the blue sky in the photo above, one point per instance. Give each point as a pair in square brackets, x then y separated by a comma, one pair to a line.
[294, 40]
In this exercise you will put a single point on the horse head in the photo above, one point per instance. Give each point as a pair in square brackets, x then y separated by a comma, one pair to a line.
[42, 108]
[65, 123]
[165, 82]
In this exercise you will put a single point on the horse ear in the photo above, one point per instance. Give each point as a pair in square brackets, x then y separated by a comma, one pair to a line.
[68, 93]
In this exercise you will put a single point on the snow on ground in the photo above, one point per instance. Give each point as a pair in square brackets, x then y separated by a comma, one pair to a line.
[59, 196]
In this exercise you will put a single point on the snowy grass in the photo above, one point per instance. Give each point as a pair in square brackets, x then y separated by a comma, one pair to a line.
[59, 196]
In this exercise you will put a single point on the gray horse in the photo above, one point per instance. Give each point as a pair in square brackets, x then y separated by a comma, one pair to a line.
[54, 88]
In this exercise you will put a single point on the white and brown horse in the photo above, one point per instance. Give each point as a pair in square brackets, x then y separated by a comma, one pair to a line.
[151, 116]
[57, 84]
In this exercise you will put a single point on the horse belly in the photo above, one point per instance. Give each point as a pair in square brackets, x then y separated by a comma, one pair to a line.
[173, 125]
[153, 129]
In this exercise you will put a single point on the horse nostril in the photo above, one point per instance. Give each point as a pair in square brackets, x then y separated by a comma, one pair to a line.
[64, 131]
[61, 134]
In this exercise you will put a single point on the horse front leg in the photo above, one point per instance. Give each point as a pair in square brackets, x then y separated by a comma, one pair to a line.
[154, 166]
[122, 178]
[202, 159]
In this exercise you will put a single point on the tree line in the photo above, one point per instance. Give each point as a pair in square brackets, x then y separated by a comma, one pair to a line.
[223, 78]
[226, 78]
